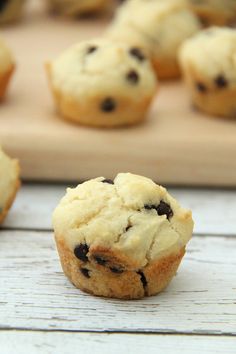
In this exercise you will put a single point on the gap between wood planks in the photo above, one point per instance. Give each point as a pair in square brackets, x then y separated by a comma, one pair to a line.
[150, 332]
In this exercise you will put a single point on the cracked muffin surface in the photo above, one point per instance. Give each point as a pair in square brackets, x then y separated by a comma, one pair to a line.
[121, 239]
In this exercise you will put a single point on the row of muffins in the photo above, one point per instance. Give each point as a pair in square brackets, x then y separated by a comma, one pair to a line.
[123, 238]
[111, 81]
[210, 12]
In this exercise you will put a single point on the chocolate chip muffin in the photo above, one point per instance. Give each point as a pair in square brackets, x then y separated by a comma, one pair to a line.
[75, 8]
[123, 238]
[10, 10]
[157, 26]
[102, 83]
[6, 67]
[9, 183]
[215, 12]
[208, 62]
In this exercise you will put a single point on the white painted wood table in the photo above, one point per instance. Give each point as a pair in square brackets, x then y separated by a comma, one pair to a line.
[41, 312]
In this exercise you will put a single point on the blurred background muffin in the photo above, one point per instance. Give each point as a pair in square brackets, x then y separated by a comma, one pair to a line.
[75, 8]
[157, 26]
[102, 83]
[10, 10]
[208, 62]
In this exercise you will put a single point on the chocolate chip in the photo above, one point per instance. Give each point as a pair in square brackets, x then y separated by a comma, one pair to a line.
[100, 260]
[137, 53]
[85, 272]
[81, 251]
[91, 49]
[132, 77]
[128, 227]
[201, 87]
[108, 105]
[221, 81]
[116, 270]
[142, 278]
[162, 209]
[109, 181]
[3, 4]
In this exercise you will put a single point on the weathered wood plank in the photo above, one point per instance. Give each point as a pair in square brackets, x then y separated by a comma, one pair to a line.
[34, 294]
[22, 342]
[213, 210]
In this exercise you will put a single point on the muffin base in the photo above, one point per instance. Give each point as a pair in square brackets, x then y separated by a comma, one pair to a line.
[166, 69]
[221, 104]
[131, 284]
[87, 112]
[10, 200]
[213, 101]
[4, 81]
[87, 8]
[210, 18]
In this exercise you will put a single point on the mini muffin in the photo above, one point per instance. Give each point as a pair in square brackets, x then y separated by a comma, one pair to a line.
[10, 10]
[123, 238]
[157, 26]
[75, 8]
[102, 83]
[208, 62]
[6, 67]
[214, 12]
[9, 183]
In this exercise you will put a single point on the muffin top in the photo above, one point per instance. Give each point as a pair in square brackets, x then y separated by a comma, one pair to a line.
[6, 58]
[100, 67]
[212, 54]
[131, 219]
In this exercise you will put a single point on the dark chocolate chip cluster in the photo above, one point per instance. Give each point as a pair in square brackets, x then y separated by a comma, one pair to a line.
[81, 252]
[162, 209]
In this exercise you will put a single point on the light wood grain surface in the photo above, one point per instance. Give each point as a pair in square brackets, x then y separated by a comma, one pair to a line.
[41, 312]
[176, 145]
[201, 298]
[21, 342]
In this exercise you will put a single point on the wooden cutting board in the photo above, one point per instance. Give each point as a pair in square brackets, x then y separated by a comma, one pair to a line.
[176, 145]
